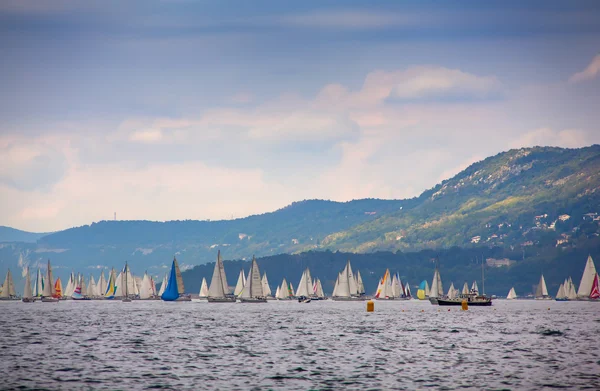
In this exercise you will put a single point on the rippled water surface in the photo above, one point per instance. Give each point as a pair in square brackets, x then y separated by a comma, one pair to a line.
[287, 345]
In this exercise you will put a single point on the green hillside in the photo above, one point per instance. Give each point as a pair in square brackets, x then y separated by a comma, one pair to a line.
[496, 202]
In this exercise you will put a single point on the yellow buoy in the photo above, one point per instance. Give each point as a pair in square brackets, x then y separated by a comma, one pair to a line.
[370, 306]
[464, 305]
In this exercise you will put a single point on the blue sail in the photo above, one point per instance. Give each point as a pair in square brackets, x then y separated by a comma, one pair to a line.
[171, 293]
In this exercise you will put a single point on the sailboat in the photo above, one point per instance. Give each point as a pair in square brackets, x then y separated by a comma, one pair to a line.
[111, 288]
[266, 287]
[318, 288]
[511, 294]
[79, 292]
[92, 287]
[126, 282]
[541, 293]
[385, 287]
[423, 291]
[203, 289]
[27, 292]
[570, 290]
[407, 293]
[305, 291]
[38, 288]
[346, 288]
[587, 280]
[359, 283]
[218, 292]
[175, 289]
[253, 290]
[437, 290]
[452, 292]
[241, 282]
[49, 292]
[102, 286]
[58, 291]
[595, 293]
[283, 292]
[561, 295]
[163, 285]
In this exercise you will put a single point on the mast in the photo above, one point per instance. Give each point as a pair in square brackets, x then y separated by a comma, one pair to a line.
[482, 278]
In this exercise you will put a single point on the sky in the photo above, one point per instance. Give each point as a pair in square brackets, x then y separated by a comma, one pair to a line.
[171, 110]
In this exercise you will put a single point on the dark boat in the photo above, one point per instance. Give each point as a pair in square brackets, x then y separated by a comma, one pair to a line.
[472, 299]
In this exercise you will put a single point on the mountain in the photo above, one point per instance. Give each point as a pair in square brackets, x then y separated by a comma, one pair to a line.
[8, 234]
[511, 199]
[526, 202]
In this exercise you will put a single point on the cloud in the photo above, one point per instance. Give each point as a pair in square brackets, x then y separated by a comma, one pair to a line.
[29, 165]
[588, 73]
[567, 138]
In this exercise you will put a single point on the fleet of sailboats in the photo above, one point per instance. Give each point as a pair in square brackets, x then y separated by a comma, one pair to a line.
[255, 288]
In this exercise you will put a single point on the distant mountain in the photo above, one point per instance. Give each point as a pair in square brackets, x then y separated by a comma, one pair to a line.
[8, 234]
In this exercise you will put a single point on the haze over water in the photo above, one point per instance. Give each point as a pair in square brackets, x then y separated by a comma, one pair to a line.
[287, 345]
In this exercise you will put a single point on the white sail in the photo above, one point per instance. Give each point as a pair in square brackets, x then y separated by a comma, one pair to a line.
[361, 285]
[27, 292]
[120, 283]
[163, 286]
[305, 286]
[587, 279]
[102, 284]
[239, 287]
[352, 284]
[427, 291]
[216, 288]
[452, 292]
[49, 285]
[335, 286]
[265, 285]
[343, 288]
[561, 292]
[38, 289]
[435, 284]
[92, 289]
[138, 284]
[145, 289]
[203, 288]
[277, 293]
[396, 290]
[571, 292]
[84, 290]
[511, 294]
[8, 288]
[541, 290]
[223, 276]
[407, 292]
[283, 291]
[319, 291]
[253, 288]
[475, 288]
[465, 290]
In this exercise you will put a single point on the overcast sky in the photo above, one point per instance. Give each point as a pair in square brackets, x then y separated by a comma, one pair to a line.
[164, 110]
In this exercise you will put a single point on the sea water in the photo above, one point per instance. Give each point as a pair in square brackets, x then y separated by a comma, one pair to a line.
[287, 345]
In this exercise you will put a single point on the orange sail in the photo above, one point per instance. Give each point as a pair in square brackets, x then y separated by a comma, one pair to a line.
[58, 288]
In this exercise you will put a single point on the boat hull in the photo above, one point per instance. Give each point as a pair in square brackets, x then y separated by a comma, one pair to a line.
[49, 300]
[338, 298]
[253, 300]
[28, 300]
[477, 303]
[433, 300]
[221, 299]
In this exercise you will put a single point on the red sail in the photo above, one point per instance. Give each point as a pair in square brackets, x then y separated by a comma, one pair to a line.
[595, 294]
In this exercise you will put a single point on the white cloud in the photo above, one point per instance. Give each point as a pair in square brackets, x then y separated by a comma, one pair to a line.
[567, 138]
[588, 73]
